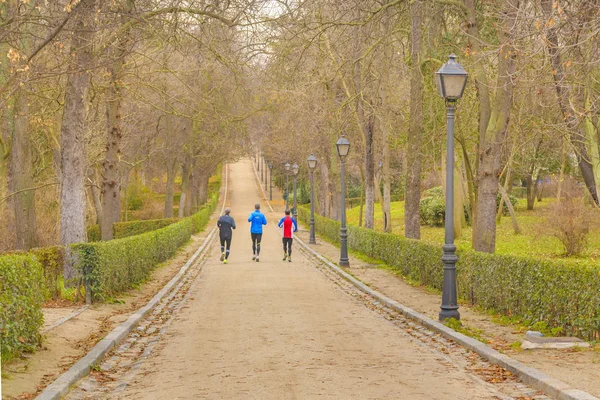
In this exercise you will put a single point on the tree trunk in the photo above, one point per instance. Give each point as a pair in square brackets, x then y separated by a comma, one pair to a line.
[511, 210]
[194, 190]
[362, 198]
[490, 154]
[369, 182]
[111, 186]
[412, 221]
[21, 176]
[387, 190]
[325, 190]
[568, 94]
[530, 191]
[73, 162]
[95, 193]
[561, 176]
[483, 97]
[171, 173]
[184, 200]
[204, 176]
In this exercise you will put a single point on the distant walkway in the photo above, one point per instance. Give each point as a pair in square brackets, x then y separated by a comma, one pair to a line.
[279, 330]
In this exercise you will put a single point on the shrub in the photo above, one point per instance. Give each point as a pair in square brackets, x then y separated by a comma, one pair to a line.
[111, 267]
[437, 191]
[52, 260]
[534, 290]
[432, 207]
[432, 210]
[22, 293]
[131, 228]
[569, 223]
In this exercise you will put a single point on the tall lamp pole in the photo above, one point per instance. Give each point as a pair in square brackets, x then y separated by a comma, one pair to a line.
[343, 148]
[287, 168]
[295, 169]
[312, 164]
[451, 80]
[270, 181]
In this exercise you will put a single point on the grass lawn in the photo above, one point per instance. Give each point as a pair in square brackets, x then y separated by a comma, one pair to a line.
[535, 240]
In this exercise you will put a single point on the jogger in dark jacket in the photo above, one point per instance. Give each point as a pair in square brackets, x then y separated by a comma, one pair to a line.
[225, 223]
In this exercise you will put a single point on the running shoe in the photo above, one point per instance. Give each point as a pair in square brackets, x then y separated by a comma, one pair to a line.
[284, 257]
[256, 258]
[222, 256]
[290, 258]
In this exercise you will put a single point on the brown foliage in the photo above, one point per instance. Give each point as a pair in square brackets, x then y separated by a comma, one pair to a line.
[569, 222]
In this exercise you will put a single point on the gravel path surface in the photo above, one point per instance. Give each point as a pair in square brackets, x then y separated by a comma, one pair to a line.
[279, 330]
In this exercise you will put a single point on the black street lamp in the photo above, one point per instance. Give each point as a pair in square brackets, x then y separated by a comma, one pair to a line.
[451, 80]
[312, 164]
[287, 168]
[271, 181]
[343, 148]
[295, 169]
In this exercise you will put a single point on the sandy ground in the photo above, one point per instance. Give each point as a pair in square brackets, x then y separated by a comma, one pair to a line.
[580, 369]
[279, 330]
[65, 344]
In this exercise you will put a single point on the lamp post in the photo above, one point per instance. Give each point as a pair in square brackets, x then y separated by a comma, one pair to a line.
[343, 148]
[295, 169]
[287, 168]
[312, 164]
[271, 181]
[451, 79]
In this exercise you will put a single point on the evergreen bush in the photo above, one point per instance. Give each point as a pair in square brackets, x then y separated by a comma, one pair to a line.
[22, 293]
[563, 294]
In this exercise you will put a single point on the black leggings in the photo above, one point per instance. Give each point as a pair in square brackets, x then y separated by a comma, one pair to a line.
[287, 246]
[225, 245]
[256, 238]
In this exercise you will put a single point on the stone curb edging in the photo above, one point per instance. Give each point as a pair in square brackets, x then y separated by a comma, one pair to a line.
[65, 319]
[531, 376]
[265, 198]
[62, 385]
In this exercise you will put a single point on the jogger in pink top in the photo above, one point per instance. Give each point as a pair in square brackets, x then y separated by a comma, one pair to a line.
[289, 226]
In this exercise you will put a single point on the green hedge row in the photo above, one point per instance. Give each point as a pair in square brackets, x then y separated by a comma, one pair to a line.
[52, 260]
[22, 292]
[112, 267]
[131, 228]
[563, 294]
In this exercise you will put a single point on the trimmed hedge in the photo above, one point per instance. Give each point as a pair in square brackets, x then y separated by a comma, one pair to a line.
[52, 260]
[22, 293]
[112, 267]
[563, 294]
[131, 228]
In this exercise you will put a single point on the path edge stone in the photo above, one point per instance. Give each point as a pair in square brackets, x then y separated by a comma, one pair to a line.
[531, 376]
[61, 386]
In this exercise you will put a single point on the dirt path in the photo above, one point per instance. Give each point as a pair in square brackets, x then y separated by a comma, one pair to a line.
[553, 362]
[65, 344]
[279, 330]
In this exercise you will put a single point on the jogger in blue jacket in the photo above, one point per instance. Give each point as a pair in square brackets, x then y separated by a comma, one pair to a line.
[257, 220]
